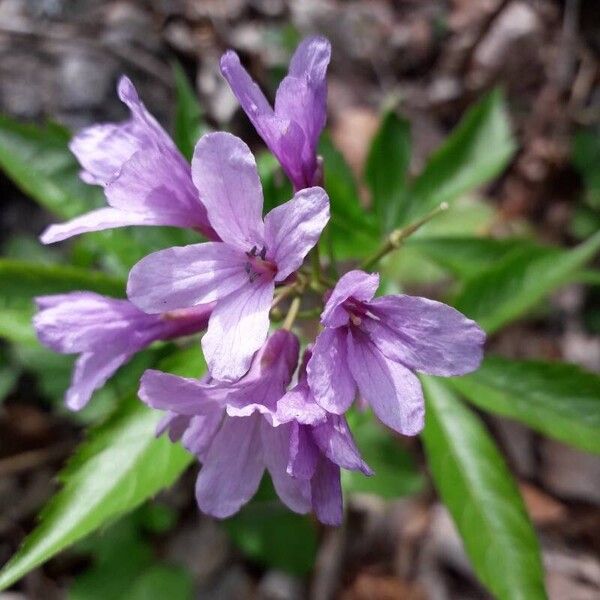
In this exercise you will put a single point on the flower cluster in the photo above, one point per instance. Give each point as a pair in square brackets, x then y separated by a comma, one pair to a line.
[250, 412]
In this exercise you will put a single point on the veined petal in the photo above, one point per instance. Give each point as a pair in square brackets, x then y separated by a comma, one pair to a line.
[237, 328]
[293, 228]
[83, 321]
[225, 175]
[180, 395]
[159, 183]
[394, 392]
[303, 453]
[335, 441]
[311, 60]
[326, 493]
[295, 493]
[283, 137]
[426, 335]
[92, 370]
[98, 220]
[329, 377]
[358, 285]
[186, 276]
[232, 467]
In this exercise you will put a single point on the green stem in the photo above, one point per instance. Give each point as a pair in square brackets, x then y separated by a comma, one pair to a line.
[292, 314]
[397, 237]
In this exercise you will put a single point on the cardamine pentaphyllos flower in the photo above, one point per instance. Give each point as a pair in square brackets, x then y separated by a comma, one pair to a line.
[240, 272]
[292, 129]
[225, 425]
[237, 430]
[377, 344]
[320, 444]
[106, 333]
[146, 180]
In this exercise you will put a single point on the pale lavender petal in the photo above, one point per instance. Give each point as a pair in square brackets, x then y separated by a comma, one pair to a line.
[426, 335]
[103, 149]
[98, 220]
[201, 432]
[237, 328]
[158, 183]
[174, 425]
[357, 285]
[92, 370]
[232, 467]
[183, 277]
[294, 493]
[283, 137]
[335, 441]
[83, 321]
[329, 378]
[299, 405]
[303, 453]
[181, 395]
[311, 60]
[293, 228]
[393, 392]
[225, 175]
[326, 493]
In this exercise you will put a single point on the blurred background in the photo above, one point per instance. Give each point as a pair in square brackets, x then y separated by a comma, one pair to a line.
[60, 60]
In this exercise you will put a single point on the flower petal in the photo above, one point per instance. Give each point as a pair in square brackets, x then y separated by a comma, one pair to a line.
[237, 328]
[358, 285]
[103, 149]
[426, 335]
[295, 493]
[186, 276]
[97, 220]
[394, 392]
[293, 228]
[92, 370]
[84, 321]
[335, 441]
[326, 493]
[159, 183]
[180, 395]
[283, 137]
[328, 374]
[232, 467]
[303, 452]
[225, 175]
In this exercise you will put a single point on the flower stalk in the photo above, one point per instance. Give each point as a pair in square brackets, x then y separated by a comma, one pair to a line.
[397, 237]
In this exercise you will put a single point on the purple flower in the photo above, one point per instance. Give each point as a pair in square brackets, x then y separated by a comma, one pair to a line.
[378, 344]
[224, 425]
[146, 180]
[240, 272]
[292, 130]
[320, 444]
[106, 333]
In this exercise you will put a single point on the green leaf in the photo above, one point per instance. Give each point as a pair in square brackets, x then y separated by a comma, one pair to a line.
[475, 152]
[517, 284]
[466, 257]
[482, 497]
[386, 169]
[395, 471]
[23, 280]
[16, 327]
[354, 231]
[38, 160]
[189, 125]
[559, 400]
[115, 470]
[270, 534]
